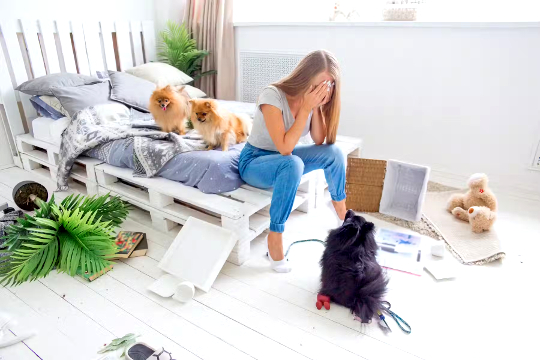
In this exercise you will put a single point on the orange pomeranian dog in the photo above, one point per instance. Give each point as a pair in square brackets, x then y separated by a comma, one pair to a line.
[217, 125]
[169, 106]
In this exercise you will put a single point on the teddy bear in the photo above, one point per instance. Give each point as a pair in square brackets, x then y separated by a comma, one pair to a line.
[479, 195]
[480, 217]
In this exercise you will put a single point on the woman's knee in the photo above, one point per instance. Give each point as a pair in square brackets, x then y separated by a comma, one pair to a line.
[294, 166]
[334, 154]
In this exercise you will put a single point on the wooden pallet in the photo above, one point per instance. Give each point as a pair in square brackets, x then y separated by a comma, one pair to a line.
[243, 211]
[41, 158]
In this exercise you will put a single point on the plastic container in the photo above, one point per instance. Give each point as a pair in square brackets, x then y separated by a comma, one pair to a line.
[404, 190]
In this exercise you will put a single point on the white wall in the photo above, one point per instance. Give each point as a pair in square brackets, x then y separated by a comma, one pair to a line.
[77, 9]
[458, 99]
[168, 10]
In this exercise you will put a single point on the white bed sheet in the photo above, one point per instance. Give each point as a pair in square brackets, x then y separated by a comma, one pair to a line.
[49, 130]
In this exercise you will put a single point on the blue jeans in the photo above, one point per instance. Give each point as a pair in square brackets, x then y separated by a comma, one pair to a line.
[265, 169]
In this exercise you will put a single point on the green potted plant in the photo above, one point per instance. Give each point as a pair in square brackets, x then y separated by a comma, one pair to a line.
[77, 234]
[179, 49]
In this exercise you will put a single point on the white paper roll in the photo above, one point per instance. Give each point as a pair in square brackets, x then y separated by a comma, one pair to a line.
[184, 291]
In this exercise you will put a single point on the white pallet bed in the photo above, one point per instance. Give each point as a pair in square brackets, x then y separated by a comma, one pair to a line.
[72, 46]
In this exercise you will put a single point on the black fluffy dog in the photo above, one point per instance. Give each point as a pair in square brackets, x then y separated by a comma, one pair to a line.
[351, 275]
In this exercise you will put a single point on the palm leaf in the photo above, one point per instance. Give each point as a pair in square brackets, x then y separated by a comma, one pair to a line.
[107, 208]
[210, 72]
[78, 233]
[35, 256]
[85, 242]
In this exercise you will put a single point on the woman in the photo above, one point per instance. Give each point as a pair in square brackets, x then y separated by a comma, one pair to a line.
[308, 100]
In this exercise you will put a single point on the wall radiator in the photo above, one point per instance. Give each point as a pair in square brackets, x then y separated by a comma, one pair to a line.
[258, 69]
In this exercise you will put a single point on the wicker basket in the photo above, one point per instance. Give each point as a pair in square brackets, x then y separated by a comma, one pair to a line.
[365, 179]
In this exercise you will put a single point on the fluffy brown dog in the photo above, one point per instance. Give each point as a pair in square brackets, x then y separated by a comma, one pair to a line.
[169, 106]
[217, 125]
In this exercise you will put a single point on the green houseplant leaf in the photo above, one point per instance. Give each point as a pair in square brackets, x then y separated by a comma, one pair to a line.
[77, 234]
[177, 48]
[120, 343]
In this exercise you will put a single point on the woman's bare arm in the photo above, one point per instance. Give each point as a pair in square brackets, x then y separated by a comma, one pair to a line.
[285, 141]
[318, 126]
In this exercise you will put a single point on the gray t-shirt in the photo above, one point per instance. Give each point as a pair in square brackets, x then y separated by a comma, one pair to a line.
[260, 137]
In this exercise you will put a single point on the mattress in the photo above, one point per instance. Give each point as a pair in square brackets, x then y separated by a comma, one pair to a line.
[212, 172]
[49, 130]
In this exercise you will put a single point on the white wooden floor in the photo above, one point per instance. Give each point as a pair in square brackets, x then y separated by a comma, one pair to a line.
[487, 312]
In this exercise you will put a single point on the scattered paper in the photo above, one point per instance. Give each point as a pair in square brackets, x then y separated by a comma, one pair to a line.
[441, 270]
[400, 251]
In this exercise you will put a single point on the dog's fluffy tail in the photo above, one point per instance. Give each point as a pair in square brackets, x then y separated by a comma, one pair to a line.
[370, 293]
[247, 123]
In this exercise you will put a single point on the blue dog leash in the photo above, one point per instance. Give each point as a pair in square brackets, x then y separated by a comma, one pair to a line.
[403, 325]
[302, 241]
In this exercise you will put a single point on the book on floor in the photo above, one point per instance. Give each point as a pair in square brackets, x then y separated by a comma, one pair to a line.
[141, 249]
[93, 276]
[399, 251]
[126, 242]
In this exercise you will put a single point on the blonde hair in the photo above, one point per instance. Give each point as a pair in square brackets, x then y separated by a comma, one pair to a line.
[298, 82]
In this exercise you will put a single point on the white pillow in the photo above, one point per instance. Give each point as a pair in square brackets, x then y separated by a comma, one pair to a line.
[194, 92]
[160, 74]
[115, 113]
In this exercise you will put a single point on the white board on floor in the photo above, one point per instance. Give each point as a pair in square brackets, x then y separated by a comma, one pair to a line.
[198, 253]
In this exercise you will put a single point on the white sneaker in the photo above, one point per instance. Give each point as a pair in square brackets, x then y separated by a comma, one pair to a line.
[281, 266]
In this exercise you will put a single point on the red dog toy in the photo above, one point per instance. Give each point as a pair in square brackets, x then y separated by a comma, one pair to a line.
[323, 300]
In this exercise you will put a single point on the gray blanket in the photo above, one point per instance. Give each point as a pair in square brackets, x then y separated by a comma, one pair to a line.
[151, 148]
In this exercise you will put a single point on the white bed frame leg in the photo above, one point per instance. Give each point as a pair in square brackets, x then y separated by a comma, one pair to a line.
[105, 179]
[162, 224]
[240, 252]
[53, 158]
[91, 188]
[30, 165]
[159, 201]
[319, 184]
[24, 147]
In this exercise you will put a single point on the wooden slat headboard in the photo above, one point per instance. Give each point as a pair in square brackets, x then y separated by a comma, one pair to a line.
[33, 48]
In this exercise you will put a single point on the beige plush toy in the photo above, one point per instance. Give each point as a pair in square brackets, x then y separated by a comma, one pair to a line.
[479, 195]
[480, 217]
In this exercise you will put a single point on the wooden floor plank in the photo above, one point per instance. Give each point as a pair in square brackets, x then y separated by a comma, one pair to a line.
[17, 351]
[88, 335]
[195, 339]
[287, 335]
[47, 339]
[110, 316]
[325, 329]
[278, 330]
[300, 288]
[232, 332]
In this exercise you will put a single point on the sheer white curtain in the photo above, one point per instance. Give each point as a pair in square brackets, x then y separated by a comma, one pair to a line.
[211, 22]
